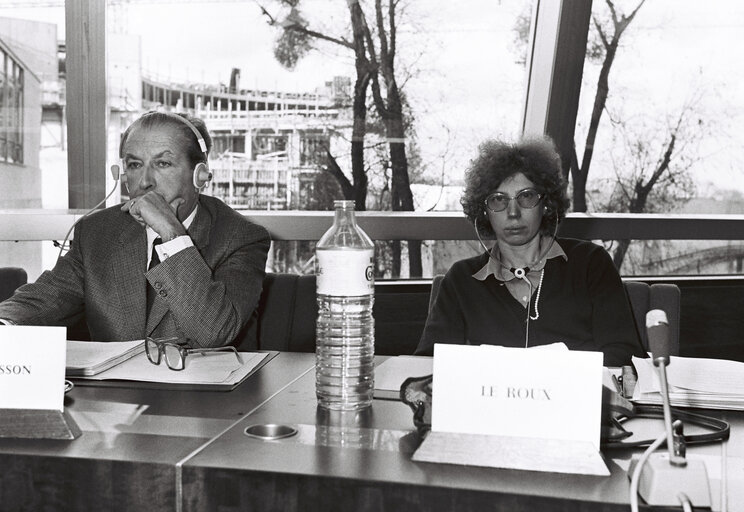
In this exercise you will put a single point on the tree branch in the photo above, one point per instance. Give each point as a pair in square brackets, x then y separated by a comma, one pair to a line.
[335, 170]
[601, 33]
[319, 35]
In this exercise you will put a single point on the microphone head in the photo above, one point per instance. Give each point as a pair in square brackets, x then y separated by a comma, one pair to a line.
[657, 329]
[656, 317]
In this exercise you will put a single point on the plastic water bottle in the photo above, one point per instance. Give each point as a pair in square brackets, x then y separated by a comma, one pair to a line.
[345, 345]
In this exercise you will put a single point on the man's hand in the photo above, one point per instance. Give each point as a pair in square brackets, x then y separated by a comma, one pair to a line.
[151, 209]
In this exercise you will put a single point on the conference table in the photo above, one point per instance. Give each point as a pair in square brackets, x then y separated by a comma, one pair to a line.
[164, 449]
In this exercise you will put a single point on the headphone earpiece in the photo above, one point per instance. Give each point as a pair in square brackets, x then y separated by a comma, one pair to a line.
[202, 176]
[121, 176]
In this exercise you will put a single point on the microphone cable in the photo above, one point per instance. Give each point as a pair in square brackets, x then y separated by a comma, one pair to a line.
[521, 273]
[115, 170]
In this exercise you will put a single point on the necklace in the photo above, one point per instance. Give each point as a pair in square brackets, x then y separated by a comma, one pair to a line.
[537, 300]
[537, 296]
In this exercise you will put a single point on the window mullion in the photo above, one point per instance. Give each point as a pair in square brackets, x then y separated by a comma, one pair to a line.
[86, 101]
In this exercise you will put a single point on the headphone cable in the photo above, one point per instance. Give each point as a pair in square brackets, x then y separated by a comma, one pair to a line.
[69, 231]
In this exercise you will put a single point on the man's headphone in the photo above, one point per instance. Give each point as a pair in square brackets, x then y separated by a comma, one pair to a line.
[201, 176]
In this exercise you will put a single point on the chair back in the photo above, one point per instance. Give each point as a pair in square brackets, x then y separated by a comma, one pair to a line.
[10, 279]
[287, 311]
[644, 297]
[435, 284]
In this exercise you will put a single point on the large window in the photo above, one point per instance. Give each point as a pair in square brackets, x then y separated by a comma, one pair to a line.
[659, 125]
[33, 163]
[303, 113]
[298, 122]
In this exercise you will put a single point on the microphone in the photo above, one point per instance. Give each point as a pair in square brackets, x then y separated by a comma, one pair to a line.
[666, 479]
[657, 330]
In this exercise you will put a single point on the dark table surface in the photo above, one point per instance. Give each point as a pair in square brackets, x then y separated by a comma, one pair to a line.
[133, 440]
[158, 449]
[362, 461]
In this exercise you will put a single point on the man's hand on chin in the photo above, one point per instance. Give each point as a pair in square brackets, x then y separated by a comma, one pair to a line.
[151, 209]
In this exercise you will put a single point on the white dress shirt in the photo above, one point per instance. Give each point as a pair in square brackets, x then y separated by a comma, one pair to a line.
[171, 247]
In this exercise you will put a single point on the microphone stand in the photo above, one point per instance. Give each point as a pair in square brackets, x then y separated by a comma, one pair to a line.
[667, 478]
[675, 443]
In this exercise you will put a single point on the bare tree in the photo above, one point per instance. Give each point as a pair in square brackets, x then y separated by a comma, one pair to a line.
[651, 161]
[609, 33]
[653, 175]
[293, 43]
[375, 50]
[602, 46]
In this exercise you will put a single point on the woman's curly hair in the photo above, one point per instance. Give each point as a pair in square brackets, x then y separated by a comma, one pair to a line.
[536, 158]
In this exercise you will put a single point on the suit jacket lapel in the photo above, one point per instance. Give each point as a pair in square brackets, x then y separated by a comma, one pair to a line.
[129, 263]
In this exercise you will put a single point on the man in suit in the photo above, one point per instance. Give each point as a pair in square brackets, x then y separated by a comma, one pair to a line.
[169, 262]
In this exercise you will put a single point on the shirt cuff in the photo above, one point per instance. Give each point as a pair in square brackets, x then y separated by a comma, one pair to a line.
[171, 247]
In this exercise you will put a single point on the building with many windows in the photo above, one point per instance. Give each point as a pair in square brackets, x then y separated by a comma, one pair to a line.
[23, 81]
[268, 146]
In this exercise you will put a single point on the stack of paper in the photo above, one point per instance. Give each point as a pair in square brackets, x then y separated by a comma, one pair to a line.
[87, 358]
[693, 382]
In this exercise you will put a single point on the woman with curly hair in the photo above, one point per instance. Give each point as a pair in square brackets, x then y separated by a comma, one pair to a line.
[531, 288]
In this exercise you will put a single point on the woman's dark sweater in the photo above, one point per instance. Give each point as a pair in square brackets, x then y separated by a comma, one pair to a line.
[582, 304]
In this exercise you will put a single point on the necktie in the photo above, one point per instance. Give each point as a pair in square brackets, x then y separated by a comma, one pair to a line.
[154, 260]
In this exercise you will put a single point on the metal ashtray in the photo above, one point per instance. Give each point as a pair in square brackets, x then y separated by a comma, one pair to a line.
[270, 431]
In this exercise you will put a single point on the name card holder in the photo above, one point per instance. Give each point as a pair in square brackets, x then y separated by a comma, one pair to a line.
[508, 452]
[38, 424]
[32, 384]
[536, 410]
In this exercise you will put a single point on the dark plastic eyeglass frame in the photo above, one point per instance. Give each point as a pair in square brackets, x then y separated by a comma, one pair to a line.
[510, 198]
[183, 351]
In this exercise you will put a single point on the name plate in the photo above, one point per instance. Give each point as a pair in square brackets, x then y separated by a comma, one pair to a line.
[32, 367]
[533, 409]
[541, 393]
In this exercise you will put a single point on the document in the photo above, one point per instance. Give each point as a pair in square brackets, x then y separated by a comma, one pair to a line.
[86, 358]
[391, 373]
[693, 382]
[211, 370]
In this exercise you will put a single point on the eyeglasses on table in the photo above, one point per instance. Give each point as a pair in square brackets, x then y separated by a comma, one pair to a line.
[174, 351]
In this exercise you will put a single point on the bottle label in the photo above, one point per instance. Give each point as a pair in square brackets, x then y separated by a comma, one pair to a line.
[345, 273]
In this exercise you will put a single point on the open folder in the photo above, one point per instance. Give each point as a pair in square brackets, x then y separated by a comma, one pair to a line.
[218, 371]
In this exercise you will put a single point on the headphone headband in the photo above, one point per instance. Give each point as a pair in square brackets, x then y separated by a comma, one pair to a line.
[197, 133]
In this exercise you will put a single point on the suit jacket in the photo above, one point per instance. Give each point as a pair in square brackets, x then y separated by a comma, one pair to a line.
[207, 293]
